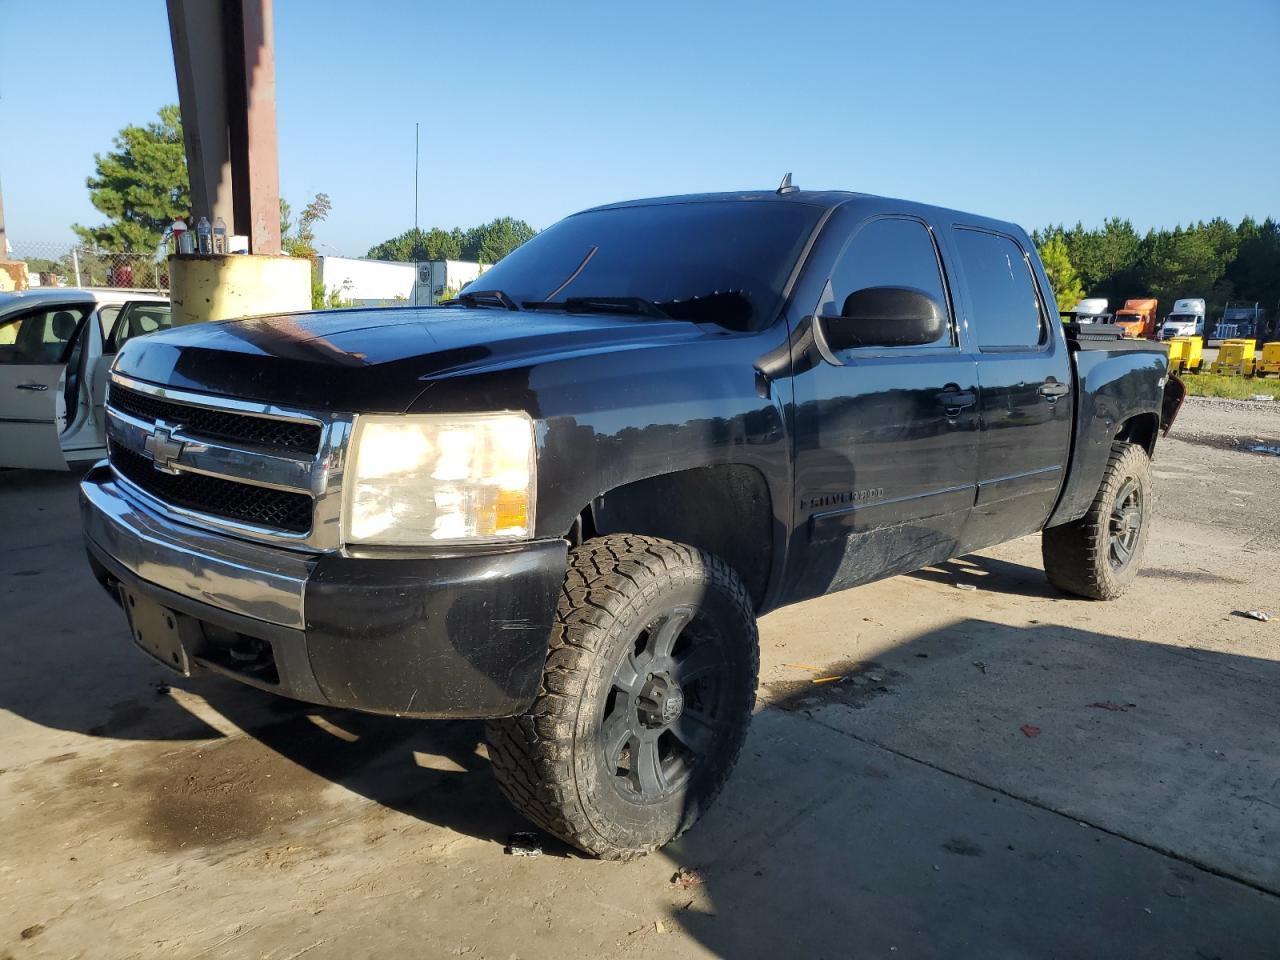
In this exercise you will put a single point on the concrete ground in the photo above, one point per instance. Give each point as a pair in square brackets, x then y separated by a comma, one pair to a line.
[1005, 772]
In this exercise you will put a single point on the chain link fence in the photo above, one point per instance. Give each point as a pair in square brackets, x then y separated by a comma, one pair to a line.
[67, 265]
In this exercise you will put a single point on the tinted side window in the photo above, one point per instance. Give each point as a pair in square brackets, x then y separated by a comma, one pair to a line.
[887, 253]
[1005, 307]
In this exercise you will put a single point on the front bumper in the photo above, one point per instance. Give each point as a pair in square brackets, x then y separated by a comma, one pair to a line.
[457, 635]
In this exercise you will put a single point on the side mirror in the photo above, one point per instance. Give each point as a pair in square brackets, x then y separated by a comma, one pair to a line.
[885, 317]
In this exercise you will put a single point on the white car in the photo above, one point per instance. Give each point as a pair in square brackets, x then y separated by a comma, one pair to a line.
[56, 346]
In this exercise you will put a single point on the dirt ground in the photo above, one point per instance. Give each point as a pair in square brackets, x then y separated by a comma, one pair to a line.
[1004, 772]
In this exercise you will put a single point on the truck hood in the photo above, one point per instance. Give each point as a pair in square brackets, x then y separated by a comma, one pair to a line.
[376, 359]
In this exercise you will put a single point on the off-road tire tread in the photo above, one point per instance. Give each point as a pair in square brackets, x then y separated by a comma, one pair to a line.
[1075, 553]
[531, 753]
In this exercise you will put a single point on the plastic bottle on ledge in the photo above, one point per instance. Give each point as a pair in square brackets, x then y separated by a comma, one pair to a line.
[181, 240]
[219, 236]
[204, 236]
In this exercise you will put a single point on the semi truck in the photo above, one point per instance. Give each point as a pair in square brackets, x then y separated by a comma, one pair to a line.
[1089, 310]
[1241, 320]
[1137, 318]
[1186, 319]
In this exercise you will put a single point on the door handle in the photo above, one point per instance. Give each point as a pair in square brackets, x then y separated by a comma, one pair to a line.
[38, 387]
[957, 400]
[1051, 390]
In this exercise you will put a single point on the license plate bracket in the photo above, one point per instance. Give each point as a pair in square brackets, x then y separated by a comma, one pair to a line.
[157, 630]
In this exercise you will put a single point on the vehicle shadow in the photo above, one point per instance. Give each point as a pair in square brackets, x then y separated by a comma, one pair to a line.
[989, 573]
[83, 674]
[931, 801]
[435, 771]
[1016, 792]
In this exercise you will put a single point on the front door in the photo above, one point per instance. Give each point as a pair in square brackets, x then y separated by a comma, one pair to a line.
[137, 318]
[39, 402]
[886, 438]
[1026, 389]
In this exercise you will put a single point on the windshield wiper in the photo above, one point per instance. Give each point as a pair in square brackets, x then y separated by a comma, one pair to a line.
[637, 306]
[482, 298]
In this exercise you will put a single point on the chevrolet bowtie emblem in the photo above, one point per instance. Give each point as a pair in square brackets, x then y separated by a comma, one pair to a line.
[162, 448]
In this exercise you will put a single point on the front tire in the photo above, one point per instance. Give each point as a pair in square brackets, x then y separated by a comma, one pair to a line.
[645, 699]
[1098, 556]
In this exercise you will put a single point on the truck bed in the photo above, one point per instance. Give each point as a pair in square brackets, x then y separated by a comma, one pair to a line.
[1110, 371]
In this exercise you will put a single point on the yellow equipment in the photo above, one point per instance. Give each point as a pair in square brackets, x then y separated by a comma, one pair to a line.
[1186, 354]
[1269, 362]
[1235, 357]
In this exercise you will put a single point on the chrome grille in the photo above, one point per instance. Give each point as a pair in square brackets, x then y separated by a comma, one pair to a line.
[218, 424]
[255, 470]
[259, 506]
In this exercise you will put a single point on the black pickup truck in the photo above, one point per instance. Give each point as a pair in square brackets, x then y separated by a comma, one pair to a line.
[560, 501]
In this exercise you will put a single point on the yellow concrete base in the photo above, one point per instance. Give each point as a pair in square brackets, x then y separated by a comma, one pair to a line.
[224, 287]
[13, 275]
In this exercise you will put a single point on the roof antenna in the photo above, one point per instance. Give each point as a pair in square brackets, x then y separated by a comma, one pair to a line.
[785, 186]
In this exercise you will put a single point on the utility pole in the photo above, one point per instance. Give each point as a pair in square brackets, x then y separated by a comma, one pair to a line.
[4, 242]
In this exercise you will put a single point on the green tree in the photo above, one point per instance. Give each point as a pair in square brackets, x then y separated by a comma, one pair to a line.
[298, 239]
[1191, 262]
[490, 242]
[1254, 273]
[1105, 258]
[1067, 288]
[141, 186]
[413, 245]
[487, 243]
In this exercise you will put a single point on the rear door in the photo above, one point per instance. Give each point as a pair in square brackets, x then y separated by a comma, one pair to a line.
[885, 437]
[1024, 371]
[38, 402]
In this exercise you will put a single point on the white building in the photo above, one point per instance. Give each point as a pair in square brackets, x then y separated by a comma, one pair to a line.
[374, 283]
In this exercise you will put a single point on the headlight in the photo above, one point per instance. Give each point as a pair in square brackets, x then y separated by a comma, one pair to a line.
[418, 480]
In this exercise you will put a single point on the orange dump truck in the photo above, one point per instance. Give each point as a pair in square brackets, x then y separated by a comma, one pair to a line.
[1138, 318]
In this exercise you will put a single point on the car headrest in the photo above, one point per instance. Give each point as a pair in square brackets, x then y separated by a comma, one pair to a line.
[64, 325]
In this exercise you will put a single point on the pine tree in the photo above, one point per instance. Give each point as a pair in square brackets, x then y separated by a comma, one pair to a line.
[1067, 288]
[141, 186]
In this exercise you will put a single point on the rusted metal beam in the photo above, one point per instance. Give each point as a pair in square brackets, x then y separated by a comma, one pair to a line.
[224, 56]
[196, 30]
[262, 173]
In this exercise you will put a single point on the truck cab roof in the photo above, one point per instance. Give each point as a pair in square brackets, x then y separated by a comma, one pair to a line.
[824, 199]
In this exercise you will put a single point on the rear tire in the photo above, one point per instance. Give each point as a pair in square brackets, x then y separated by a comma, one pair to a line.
[1098, 556]
[645, 699]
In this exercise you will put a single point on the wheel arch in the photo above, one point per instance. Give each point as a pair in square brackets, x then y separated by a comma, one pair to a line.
[1142, 429]
[725, 509]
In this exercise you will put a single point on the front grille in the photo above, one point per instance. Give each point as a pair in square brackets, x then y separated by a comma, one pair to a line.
[242, 502]
[239, 428]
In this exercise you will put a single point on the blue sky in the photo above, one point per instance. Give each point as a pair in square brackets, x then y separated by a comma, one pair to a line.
[1035, 112]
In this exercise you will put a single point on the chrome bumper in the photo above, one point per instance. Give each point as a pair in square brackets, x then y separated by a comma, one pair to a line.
[243, 578]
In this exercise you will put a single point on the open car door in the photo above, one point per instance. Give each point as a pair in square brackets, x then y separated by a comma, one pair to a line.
[136, 318]
[39, 398]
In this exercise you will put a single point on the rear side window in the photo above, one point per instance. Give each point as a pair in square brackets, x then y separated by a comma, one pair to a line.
[892, 252]
[39, 337]
[1006, 310]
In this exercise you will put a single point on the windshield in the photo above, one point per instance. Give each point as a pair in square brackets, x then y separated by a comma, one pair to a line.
[722, 262]
[1182, 318]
